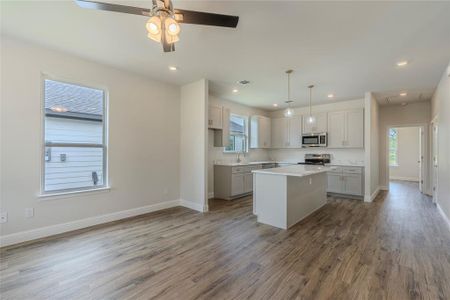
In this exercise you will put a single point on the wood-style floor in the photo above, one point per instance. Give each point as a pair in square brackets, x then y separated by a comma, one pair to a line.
[395, 248]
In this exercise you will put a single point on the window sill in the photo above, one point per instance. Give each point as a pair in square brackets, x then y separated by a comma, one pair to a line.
[393, 166]
[58, 195]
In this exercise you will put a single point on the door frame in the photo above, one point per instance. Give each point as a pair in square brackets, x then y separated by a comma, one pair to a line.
[424, 154]
[434, 176]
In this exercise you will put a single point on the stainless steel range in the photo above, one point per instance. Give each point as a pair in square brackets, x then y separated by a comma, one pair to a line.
[316, 159]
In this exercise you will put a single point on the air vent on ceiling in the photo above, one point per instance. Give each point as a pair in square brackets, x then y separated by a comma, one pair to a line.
[244, 82]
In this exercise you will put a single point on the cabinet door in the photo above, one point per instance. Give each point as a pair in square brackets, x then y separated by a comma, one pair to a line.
[265, 132]
[318, 126]
[237, 184]
[279, 132]
[335, 184]
[215, 117]
[248, 183]
[336, 129]
[353, 184]
[355, 129]
[295, 132]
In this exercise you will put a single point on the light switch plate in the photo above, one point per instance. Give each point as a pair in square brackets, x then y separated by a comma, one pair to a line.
[29, 212]
[3, 217]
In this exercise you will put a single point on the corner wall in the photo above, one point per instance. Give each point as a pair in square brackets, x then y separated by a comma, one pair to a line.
[371, 137]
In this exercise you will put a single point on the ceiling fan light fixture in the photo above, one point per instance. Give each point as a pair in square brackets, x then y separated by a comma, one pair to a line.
[153, 25]
[172, 27]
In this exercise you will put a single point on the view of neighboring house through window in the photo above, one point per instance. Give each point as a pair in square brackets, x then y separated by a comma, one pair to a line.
[75, 148]
[238, 134]
[393, 147]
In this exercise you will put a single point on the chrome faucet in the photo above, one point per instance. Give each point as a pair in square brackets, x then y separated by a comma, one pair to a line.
[238, 157]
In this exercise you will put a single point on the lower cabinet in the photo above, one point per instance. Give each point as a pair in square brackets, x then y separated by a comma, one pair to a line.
[233, 181]
[237, 184]
[346, 180]
[248, 183]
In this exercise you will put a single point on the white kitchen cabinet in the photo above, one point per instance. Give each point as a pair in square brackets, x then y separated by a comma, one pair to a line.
[346, 129]
[346, 180]
[260, 132]
[286, 132]
[215, 117]
[222, 136]
[248, 183]
[318, 126]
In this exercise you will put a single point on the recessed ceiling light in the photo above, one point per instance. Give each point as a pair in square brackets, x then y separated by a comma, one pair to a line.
[402, 63]
[275, 105]
[235, 91]
[173, 68]
[330, 96]
[403, 94]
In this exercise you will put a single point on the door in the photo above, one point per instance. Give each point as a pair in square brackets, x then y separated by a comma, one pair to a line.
[319, 125]
[336, 129]
[279, 132]
[420, 158]
[353, 184]
[354, 129]
[295, 132]
[237, 184]
[435, 162]
[334, 183]
[264, 132]
[215, 117]
[248, 183]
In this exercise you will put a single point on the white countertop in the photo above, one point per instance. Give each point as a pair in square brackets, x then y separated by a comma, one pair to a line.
[233, 164]
[295, 170]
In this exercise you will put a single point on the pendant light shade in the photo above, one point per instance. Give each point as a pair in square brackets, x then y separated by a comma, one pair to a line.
[289, 112]
[311, 118]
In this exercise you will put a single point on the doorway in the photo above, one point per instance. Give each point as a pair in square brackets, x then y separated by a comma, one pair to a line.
[405, 155]
[434, 159]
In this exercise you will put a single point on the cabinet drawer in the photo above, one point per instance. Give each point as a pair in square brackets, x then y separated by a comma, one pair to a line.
[352, 170]
[337, 170]
[239, 169]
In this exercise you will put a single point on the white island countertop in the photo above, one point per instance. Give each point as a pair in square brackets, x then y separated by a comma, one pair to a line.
[295, 170]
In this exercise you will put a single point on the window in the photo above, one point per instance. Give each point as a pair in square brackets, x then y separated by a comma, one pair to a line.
[74, 137]
[393, 147]
[238, 134]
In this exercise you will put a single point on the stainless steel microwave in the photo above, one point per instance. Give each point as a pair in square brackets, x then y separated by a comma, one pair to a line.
[315, 140]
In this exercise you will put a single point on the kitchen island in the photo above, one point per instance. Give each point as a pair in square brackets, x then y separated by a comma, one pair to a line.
[284, 196]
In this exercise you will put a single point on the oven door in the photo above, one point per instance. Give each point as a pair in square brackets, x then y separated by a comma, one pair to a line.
[310, 141]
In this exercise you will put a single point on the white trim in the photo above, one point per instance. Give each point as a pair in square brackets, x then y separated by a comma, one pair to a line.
[370, 198]
[404, 178]
[384, 188]
[211, 195]
[193, 205]
[37, 233]
[59, 195]
[447, 221]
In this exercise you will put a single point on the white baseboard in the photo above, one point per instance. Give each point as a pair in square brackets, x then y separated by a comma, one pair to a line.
[446, 219]
[404, 178]
[193, 205]
[370, 198]
[37, 233]
[384, 188]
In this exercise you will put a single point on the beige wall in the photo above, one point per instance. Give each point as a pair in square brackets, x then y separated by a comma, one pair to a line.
[371, 132]
[408, 155]
[144, 137]
[397, 116]
[193, 145]
[441, 109]
[217, 154]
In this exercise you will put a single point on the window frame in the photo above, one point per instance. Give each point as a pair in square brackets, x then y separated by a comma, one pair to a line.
[246, 136]
[389, 149]
[104, 145]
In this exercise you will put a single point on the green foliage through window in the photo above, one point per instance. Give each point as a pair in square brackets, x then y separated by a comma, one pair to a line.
[393, 147]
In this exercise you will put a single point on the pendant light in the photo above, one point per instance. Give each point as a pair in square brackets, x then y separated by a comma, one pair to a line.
[289, 112]
[311, 118]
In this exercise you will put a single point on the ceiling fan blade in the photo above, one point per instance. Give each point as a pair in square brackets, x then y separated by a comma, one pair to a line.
[113, 7]
[205, 18]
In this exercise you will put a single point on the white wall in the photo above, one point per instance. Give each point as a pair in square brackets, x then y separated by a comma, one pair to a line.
[371, 138]
[341, 156]
[398, 116]
[193, 145]
[408, 155]
[217, 154]
[143, 140]
[441, 109]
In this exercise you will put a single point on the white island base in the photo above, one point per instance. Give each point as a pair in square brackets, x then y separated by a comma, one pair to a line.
[282, 198]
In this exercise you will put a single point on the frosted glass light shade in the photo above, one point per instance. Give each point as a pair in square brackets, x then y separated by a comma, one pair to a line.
[288, 112]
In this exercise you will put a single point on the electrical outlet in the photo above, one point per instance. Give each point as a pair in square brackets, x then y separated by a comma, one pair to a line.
[29, 212]
[3, 217]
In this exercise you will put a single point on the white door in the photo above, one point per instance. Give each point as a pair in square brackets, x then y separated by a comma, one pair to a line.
[265, 132]
[318, 126]
[353, 184]
[248, 183]
[334, 183]
[354, 129]
[237, 184]
[279, 132]
[336, 129]
[435, 145]
[295, 132]
[420, 158]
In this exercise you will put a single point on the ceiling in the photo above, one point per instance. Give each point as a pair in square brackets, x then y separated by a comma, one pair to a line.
[344, 48]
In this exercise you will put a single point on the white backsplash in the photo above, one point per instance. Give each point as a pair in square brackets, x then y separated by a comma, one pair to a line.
[338, 156]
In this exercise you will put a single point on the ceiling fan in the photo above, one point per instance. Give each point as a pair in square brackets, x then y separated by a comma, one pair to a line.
[163, 24]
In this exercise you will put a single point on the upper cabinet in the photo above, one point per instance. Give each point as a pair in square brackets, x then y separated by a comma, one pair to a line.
[260, 132]
[346, 129]
[318, 126]
[215, 118]
[286, 132]
[222, 137]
